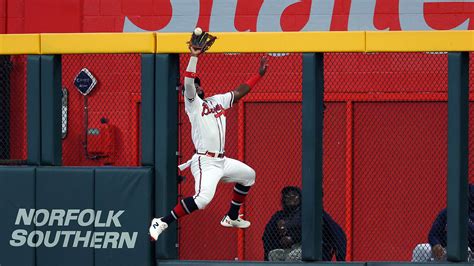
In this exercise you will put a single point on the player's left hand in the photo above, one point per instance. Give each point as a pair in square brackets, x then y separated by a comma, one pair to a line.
[201, 42]
[263, 66]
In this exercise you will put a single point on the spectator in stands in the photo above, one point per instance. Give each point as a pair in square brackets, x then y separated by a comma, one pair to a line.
[282, 235]
[435, 250]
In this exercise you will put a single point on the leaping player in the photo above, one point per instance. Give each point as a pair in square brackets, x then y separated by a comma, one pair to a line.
[209, 165]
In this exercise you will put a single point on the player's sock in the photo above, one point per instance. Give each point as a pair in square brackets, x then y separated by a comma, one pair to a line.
[238, 199]
[184, 207]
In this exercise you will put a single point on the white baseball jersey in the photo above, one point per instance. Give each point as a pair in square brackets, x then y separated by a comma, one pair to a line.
[208, 124]
[208, 121]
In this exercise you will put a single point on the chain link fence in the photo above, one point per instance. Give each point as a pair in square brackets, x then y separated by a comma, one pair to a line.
[471, 158]
[13, 140]
[263, 131]
[385, 147]
[101, 109]
[392, 108]
[385, 156]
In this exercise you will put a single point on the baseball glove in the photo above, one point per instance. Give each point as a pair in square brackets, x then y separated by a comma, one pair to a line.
[203, 41]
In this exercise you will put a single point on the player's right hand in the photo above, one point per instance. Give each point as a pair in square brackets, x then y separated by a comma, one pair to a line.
[194, 51]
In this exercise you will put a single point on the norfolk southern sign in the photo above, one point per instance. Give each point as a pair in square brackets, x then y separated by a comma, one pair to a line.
[85, 81]
[61, 219]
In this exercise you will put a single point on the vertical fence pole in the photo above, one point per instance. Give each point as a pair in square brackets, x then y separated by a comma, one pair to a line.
[458, 155]
[241, 157]
[148, 110]
[33, 109]
[148, 123]
[166, 144]
[349, 176]
[5, 113]
[313, 85]
[51, 150]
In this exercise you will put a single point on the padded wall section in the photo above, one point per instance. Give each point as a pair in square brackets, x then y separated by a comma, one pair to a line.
[70, 190]
[127, 193]
[17, 195]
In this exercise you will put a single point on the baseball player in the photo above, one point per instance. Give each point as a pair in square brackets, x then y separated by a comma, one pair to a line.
[209, 165]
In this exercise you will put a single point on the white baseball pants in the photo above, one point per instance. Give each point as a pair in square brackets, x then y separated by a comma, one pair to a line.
[209, 171]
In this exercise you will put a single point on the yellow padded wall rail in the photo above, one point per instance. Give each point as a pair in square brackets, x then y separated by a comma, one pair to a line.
[251, 42]
[419, 41]
[240, 42]
[94, 43]
[20, 44]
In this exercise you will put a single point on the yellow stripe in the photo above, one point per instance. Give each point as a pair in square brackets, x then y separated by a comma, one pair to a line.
[420, 41]
[90, 43]
[251, 42]
[19, 44]
[241, 42]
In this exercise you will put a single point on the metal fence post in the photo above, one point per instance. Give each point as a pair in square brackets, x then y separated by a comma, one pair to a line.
[166, 144]
[33, 109]
[458, 155]
[148, 109]
[51, 149]
[313, 92]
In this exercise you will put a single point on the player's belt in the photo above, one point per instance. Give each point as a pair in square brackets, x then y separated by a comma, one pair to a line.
[211, 154]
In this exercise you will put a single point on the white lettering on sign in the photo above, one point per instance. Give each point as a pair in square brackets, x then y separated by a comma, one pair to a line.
[66, 238]
[360, 15]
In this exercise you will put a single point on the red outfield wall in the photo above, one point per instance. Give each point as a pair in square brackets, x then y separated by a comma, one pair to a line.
[385, 155]
[32, 16]
[385, 150]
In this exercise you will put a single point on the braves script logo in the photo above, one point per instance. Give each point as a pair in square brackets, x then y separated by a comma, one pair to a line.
[218, 110]
[300, 15]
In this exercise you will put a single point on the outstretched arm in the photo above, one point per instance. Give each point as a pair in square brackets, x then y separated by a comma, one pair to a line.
[245, 88]
[189, 88]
